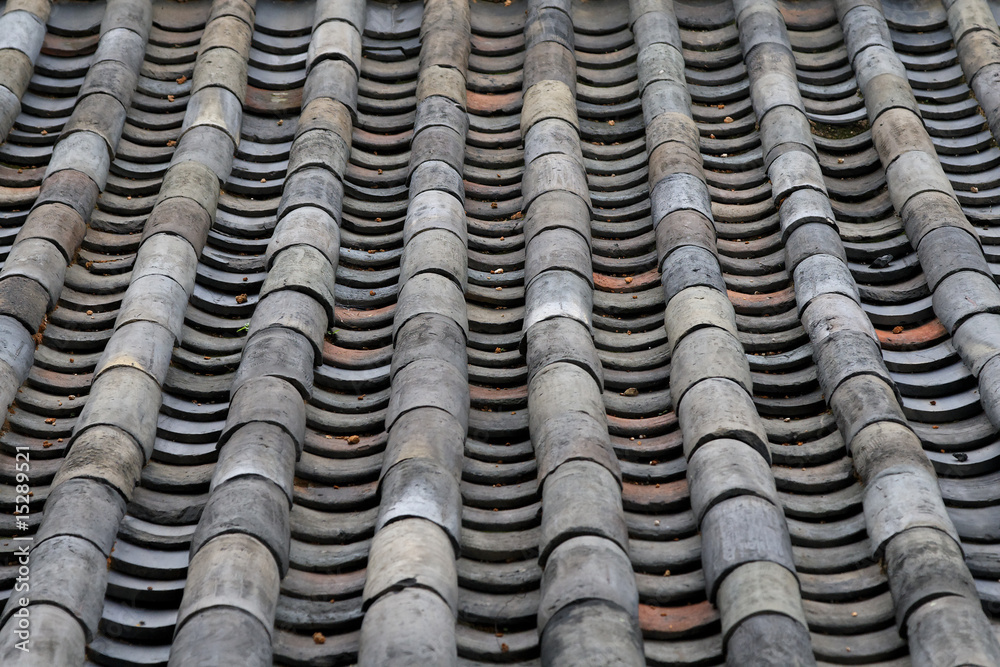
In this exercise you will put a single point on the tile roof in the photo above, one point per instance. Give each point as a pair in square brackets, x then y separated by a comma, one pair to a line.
[562, 332]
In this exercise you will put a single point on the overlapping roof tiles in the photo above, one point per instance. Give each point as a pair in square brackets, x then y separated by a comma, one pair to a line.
[545, 332]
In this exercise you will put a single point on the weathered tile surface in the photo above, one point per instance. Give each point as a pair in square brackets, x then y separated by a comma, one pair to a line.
[525, 332]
